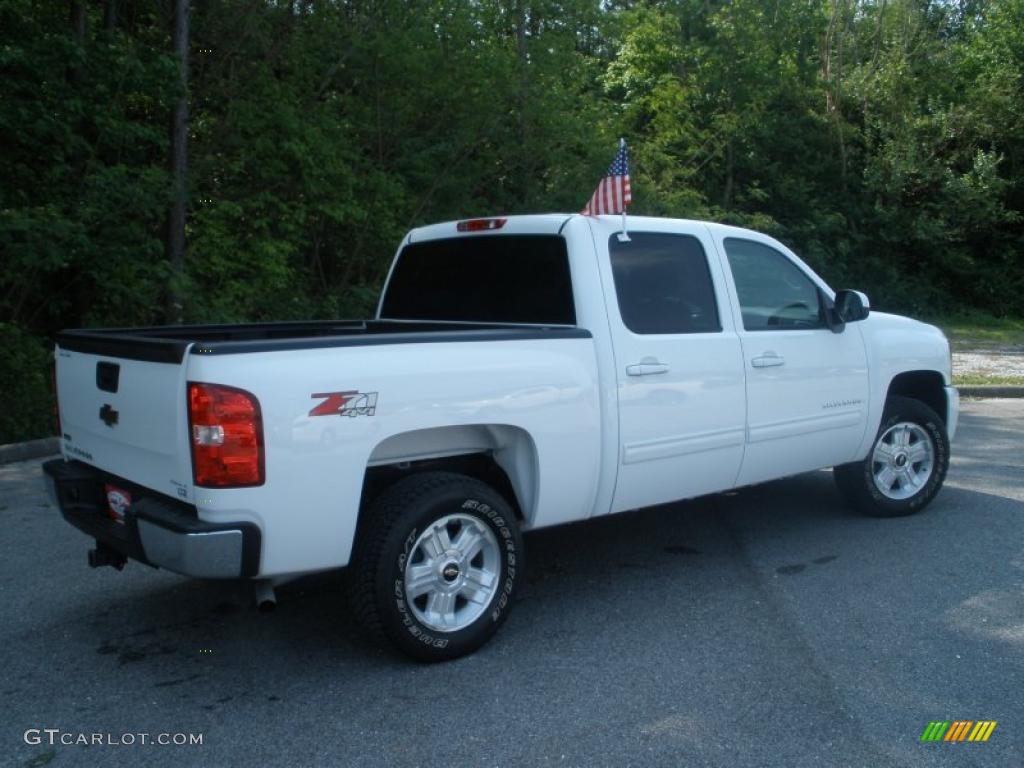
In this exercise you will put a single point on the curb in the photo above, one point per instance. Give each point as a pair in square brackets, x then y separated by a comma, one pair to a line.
[992, 391]
[33, 449]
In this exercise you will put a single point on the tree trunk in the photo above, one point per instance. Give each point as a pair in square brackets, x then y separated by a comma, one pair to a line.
[78, 21]
[730, 170]
[832, 74]
[179, 164]
[522, 100]
[109, 15]
[77, 18]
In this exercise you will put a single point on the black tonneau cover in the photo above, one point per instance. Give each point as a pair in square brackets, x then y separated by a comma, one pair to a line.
[168, 343]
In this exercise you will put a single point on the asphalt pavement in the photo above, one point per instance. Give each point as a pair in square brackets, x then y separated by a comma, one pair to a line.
[768, 627]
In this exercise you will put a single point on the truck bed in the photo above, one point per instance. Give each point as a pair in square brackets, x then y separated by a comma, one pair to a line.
[168, 344]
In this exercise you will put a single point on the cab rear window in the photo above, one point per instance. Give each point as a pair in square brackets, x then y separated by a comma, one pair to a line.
[485, 278]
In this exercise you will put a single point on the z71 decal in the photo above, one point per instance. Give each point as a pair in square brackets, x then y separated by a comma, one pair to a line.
[345, 404]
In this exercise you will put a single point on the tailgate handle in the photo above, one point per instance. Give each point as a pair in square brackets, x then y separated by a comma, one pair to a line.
[107, 375]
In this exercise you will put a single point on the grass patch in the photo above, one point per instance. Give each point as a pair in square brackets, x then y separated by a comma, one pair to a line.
[984, 379]
[974, 330]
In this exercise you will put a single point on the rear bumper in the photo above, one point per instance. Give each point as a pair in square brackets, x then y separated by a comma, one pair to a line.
[157, 530]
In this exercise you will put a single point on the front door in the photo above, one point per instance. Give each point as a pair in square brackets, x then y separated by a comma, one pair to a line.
[807, 387]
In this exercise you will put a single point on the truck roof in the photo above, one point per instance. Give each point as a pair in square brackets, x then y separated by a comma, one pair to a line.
[535, 223]
[552, 223]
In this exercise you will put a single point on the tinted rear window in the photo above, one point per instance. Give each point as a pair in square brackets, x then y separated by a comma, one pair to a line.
[489, 279]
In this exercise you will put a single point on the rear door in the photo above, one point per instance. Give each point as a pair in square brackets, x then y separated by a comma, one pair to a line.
[126, 417]
[679, 365]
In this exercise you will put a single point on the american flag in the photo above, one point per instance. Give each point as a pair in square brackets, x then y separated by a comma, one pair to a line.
[612, 194]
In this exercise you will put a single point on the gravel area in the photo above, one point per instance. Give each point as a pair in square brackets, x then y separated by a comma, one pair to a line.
[991, 361]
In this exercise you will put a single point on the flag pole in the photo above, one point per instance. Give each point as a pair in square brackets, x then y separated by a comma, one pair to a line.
[624, 235]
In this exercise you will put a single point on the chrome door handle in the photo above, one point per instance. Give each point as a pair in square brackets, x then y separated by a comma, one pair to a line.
[768, 360]
[646, 368]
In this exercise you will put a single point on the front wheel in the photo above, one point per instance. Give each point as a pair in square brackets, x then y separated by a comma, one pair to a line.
[906, 465]
[437, 566]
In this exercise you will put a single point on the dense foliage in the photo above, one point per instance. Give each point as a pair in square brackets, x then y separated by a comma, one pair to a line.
[882, 139]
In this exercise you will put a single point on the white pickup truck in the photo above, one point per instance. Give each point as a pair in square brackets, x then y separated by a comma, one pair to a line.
[520, 372]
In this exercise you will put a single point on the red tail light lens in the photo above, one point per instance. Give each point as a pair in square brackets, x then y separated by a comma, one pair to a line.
[226, 433]
[480, 225]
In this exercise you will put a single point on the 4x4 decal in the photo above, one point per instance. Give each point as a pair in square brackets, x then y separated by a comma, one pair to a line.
[351, 403]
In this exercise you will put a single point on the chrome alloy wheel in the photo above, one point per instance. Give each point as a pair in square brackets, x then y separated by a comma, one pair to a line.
[452, 572]
[902, 461]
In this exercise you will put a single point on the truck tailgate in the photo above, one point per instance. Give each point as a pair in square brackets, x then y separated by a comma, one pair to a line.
[126, 416]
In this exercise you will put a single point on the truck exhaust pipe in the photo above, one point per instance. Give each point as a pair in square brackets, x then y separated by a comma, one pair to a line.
[266, 599]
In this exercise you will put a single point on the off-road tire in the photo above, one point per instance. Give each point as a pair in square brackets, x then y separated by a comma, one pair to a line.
[857, 482]
[390, 528]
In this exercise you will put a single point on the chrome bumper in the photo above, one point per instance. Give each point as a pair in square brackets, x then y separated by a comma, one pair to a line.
[210, 555]
[157, 530]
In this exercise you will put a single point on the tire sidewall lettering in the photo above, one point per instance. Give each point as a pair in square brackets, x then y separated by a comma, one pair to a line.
[489, 516]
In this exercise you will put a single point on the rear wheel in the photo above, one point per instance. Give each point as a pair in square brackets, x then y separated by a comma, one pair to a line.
[437, 565]
[906, 465]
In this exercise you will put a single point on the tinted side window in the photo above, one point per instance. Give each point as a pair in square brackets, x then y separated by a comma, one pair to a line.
[774, 292]
[663, 284]
[487, 279]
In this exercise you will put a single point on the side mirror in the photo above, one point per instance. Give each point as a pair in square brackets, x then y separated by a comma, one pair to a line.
[851, 306]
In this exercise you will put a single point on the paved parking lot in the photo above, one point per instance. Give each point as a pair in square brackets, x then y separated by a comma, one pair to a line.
[768, 627]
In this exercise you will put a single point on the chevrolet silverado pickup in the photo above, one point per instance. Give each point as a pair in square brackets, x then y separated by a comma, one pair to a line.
[520, 372]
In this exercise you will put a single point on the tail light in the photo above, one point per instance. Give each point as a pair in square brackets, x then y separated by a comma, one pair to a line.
[480, 225]
[226, 432]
